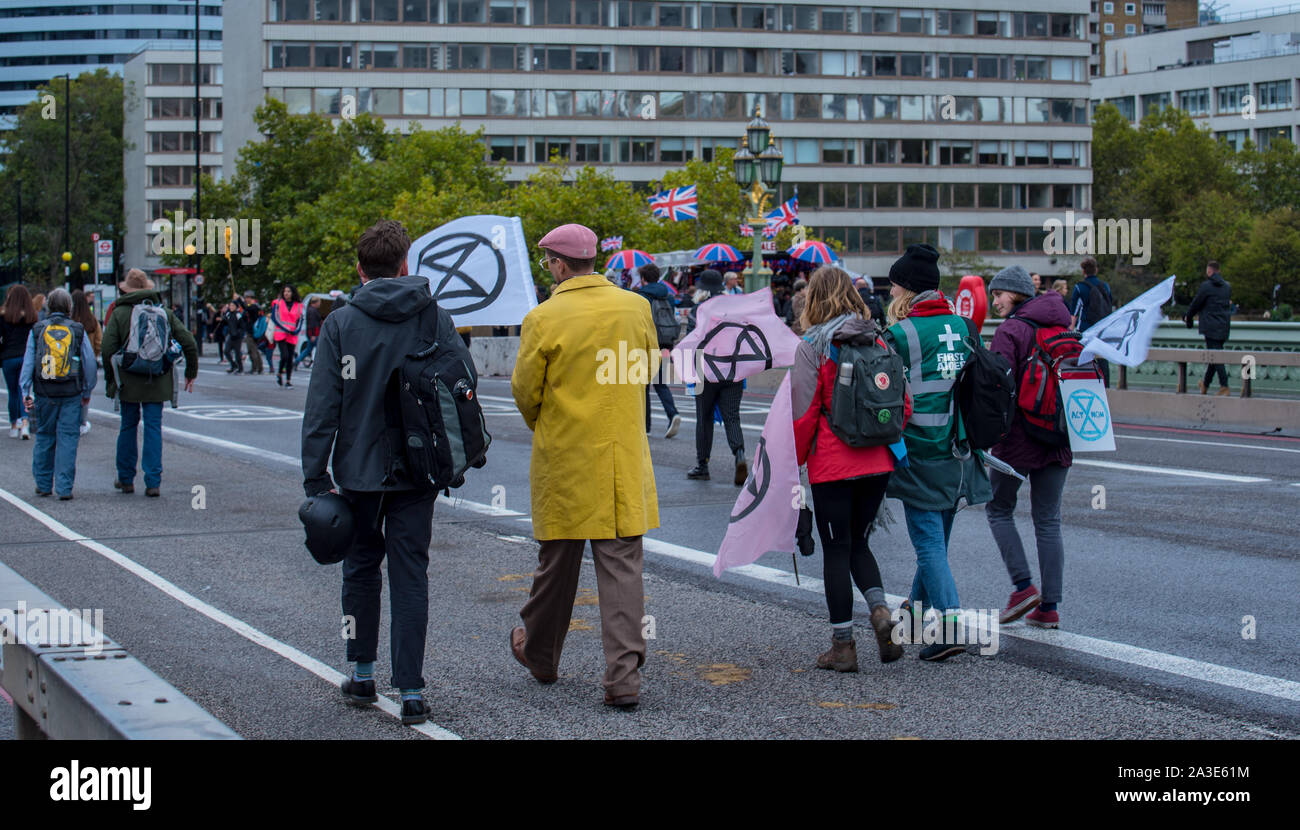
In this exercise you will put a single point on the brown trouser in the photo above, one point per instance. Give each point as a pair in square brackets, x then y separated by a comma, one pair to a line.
[549, 608]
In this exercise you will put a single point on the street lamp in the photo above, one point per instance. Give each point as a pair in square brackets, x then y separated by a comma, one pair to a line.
[758, 168]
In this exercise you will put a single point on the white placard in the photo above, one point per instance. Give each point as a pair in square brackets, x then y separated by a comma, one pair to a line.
[1087, 416]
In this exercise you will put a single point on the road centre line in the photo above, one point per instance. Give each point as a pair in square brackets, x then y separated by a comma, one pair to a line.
[1120, 652]
[243, 629]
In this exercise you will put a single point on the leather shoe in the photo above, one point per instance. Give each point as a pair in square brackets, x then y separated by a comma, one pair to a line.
[414, 711]
[125, 488]
[517, 637]
[359, 692]
[625, 702]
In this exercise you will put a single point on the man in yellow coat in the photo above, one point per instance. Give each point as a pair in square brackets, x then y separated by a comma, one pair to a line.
[585, 357]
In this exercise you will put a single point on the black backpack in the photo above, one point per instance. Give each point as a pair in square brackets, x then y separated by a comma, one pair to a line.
[665, 317]
[1098, 306]
[869, 394]
[985, 394]
[431, 400]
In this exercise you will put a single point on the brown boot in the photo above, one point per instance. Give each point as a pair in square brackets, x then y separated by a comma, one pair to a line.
[883, 624]
[1224, 391]
[843, 656]
[1202, 386]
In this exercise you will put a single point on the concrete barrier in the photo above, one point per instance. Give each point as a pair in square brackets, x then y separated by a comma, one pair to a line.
[494, 355]
[1275, 416]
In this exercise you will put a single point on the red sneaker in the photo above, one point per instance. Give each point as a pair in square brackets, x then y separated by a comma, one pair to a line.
[1044, 619]
[1020, 602]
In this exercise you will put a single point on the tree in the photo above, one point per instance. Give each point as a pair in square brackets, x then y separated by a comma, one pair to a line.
[1273, 175]
[1211, 225]
[33, 154]
[722, 205]
[1270, 257]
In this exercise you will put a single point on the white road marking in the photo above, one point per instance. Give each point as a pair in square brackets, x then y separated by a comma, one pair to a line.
[1169, 471]
[1206, 443]
[306, 661]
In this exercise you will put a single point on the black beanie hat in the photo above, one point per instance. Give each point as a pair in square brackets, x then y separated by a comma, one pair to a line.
[917, 269]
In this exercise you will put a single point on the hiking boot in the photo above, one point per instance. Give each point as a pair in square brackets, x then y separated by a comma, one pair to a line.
[67, 497]
[1021, 603]
[42, 493]
[673, 425]
[700, 472]
[124, 487]
[359, 692]
[414, 710]
[1224, 391]
[1201, 384]
[842, 657]
[1039, 618]
[517, 638]
[152, 492]
[882, 622]
[742, 469]
[625, 702]
[947, 644]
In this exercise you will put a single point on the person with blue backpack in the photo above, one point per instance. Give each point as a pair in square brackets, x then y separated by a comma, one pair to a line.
[1039, 455]
[138, 355]
[1089, 303]
[58, 375]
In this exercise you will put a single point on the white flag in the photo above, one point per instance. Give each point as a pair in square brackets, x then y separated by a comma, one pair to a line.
[477, 267]
[1125, 335]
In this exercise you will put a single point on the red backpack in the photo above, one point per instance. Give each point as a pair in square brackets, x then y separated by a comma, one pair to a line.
[1054, 358]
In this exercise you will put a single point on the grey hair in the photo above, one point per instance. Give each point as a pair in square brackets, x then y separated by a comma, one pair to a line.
[58, 301]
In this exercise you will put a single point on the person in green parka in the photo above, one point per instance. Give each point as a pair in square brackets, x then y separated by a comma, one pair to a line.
[141, 395]
[938, 471]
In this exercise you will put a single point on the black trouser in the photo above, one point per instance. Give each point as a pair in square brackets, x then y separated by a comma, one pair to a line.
[727, 398]
[1212, 368]
[844, 511]
[396, 524]
[1104, 366]
[286, 358]
[233, 353]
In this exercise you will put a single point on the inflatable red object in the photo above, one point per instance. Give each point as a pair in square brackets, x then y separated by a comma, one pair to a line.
[972, 299]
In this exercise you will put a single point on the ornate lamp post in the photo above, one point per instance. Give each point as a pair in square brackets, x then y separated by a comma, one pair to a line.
[758, 169]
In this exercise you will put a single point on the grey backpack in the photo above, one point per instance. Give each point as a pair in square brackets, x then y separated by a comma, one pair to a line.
[147, 344]
[870, 391]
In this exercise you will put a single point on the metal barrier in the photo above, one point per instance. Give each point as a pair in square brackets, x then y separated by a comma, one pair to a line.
[87, 686]
[1233, 361]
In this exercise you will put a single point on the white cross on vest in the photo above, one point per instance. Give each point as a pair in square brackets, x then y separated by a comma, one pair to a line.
[949, 336]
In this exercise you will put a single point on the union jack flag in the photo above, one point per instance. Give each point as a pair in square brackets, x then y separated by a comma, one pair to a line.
[770, 232]
[677, 204]
[611, 243]
[746, 230]
[786, 214]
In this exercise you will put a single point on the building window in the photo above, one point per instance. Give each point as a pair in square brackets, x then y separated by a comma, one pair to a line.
[1235, 138]
[1156, 100]
[1265, 136]
[1107, 8]
[1231, 97]
[1194, 101]
[1108, 28]
[1274, 95]
[1130, 9]
[1130, 28]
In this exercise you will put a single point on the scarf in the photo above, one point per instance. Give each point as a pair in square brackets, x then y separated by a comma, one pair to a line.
[821, 335]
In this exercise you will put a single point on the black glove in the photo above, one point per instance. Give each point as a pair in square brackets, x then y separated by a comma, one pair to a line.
[803, 532]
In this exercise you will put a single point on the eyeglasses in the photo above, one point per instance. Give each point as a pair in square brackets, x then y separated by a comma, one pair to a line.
[545, 262]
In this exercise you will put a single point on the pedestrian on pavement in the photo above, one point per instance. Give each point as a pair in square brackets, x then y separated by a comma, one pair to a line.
[725, 396]
[1213, 306]
[660, 297]
[848, 483]
[591, 475]
[1089, 303]
[389, 318]
[38, 301]
[938, 474]
[286, 323]
[866, 290]
[83, 314]
[254, 332]
[235, 325]
[58, 376]
[15, 327]
[1045, 466]
[312, 332]
[140, 395]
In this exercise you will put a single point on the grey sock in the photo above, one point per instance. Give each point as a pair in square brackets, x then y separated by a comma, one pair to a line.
[876, 597]
[842, 633]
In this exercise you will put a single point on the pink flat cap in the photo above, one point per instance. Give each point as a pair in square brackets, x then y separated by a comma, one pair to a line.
[573, 241]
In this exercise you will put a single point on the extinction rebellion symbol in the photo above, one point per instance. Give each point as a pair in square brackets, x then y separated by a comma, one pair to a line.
[459, 266]
[750, 346]
[760, 478]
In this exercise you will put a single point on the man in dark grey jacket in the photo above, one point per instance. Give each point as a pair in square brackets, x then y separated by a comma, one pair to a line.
[1213, 304]
[360, 345]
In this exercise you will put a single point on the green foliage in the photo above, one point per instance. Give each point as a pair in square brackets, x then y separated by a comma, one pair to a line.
[1210, 225]
[33, 154]
[1270, 257]
[1283, 313]
[722, 205]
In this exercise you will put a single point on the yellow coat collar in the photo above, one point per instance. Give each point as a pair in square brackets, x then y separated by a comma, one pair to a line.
[588, 281]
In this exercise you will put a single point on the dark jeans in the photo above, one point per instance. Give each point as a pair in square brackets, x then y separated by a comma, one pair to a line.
[12, 368]
[665, 393]
[1045, 488]
[844, 511]
[286, 358]
[234, 355]
[1212, 368]
[308, 344]
[397, 525]
[727, 397]
[127, 448]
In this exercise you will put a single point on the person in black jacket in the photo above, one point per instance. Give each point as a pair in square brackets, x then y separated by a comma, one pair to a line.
[1213, 305]
[390, 316]
[235, 326]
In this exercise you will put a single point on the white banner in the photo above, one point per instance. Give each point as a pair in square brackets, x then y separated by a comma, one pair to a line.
[1124, 336]
[478, 269]
[1087, 413]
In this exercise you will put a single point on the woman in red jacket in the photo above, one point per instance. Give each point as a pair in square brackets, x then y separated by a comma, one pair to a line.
[848, 483]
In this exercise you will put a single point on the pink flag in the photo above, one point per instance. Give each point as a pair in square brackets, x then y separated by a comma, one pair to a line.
[735, 336]
[767, 510]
